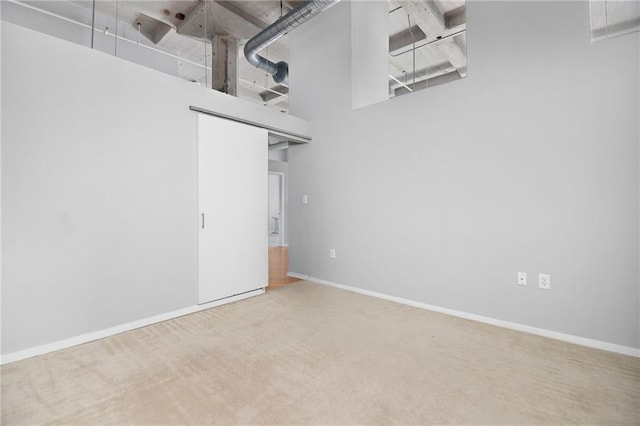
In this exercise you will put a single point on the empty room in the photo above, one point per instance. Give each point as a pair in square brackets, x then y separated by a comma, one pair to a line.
[338, 212]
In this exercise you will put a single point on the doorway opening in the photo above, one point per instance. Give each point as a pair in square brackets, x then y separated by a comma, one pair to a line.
[277, 214]
[276, 209]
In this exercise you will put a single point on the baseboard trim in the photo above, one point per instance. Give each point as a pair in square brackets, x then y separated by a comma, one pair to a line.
[100, 334]
[582, 341]
[296, 275]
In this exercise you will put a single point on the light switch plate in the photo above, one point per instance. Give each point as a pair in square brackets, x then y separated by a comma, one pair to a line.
[522, 278]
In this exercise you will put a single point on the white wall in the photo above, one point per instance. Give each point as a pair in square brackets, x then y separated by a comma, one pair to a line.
[441, 196]
[369, 52]
[98, 188]
[275, 204]
[283, 167]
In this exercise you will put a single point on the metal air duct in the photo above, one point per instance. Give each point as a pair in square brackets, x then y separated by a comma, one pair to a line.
[273, 32]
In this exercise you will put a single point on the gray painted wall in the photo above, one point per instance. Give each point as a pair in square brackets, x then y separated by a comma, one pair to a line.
[441, 196]
[369, 52]
[98, 188]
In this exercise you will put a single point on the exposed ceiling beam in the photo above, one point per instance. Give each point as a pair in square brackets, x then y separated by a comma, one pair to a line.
[269, 95]
[428, 17]
[151, 10]
[434, 9]
[429, 57]
[232, 6]
[219, 20]
[160, 32]
[431, 72]
[198, 22]
[454, 53]
[455, 17]
[405, 38]
[232, 24]
[615, 28]
[430, 82]
[148, 26]
[430, 20]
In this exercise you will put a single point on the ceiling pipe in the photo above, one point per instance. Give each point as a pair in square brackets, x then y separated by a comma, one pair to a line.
[273, 32]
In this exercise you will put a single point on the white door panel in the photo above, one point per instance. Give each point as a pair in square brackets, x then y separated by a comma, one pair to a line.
[233, 206]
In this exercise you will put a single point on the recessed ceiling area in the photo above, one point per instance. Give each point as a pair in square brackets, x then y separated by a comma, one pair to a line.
[427, 44]
[184, 30]
[202, 40]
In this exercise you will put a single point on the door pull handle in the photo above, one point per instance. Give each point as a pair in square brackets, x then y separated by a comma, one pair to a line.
[202, 220]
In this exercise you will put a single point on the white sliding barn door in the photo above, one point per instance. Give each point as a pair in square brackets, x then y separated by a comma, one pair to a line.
[232, 206]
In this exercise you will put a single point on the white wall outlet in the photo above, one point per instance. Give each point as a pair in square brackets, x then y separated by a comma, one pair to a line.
[522, 278]
[305, 199]
[332, 253]
[544, 281]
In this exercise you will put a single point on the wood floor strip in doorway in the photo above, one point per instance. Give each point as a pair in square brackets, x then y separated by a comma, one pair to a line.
[278, 268]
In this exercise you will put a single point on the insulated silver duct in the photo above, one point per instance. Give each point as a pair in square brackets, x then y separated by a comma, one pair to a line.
[273, 32]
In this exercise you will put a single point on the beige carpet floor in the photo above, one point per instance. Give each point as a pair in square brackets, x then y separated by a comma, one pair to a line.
[310, 354]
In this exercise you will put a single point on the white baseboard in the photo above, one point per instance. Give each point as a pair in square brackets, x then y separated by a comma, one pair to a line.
[591, 343]
[96, 335]
[296, 275]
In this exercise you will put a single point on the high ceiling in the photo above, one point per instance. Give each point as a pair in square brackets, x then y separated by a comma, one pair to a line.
[427, 42]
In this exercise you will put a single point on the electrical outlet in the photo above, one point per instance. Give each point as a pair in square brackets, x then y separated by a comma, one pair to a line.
[305, 199]
[522, 278]
[332, 253]
[544, 281]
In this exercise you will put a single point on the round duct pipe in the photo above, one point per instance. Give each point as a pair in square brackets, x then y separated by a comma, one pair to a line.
[299, 15]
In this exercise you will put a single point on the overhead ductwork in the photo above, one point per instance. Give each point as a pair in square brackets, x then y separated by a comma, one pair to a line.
[273, 32]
